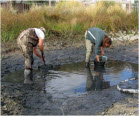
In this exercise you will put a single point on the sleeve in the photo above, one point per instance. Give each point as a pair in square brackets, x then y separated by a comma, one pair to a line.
[99, 42]
[97, 49]
[98, 45]
[40, 33]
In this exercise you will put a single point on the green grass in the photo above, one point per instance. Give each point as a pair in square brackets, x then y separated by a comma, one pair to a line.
[67, 19]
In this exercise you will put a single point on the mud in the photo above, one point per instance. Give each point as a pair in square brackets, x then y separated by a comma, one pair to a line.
[34, 100]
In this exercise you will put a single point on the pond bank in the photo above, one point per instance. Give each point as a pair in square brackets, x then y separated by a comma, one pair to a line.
[30, 100]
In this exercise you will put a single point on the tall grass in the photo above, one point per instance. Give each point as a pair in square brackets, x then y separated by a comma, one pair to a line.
[68, 18]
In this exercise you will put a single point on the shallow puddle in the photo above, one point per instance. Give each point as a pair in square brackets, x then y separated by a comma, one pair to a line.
[74, 79]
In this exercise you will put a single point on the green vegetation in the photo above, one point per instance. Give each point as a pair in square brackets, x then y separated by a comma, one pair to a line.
[68, 19]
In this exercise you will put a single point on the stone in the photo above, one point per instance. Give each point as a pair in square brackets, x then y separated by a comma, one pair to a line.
[133, 32]
[120, 33]
[124, 32]
[117, 34]
[134, 37]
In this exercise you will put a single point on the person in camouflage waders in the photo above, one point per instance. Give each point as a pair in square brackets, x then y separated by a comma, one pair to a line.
[95, 37]
[28, 41]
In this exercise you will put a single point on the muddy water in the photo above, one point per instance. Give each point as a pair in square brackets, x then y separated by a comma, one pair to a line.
[74, 79]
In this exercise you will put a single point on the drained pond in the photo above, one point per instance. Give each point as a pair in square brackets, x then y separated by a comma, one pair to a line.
[74, 79]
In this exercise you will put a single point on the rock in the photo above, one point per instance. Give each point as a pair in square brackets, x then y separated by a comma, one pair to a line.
[117, 34]
[129, 37]
[111, 33]
[126, 37]
[120, 33]
[124, 32]
[133, 32]
[134, 37]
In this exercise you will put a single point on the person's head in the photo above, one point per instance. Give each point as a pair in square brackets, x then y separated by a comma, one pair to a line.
[43, 29]
[107, 41]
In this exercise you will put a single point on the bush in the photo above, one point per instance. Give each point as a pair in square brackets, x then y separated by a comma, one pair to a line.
[68, 18]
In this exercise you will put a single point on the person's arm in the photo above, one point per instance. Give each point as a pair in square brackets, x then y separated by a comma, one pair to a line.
[37, 53]
[102, 51]
[41, 44]
[97, 50]
[41, 48]
[97, 58]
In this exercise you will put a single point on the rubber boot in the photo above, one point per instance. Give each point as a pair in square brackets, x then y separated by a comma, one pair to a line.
[87, 64]
[28, 76]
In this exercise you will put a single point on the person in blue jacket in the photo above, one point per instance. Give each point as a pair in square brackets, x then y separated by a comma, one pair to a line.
[98, 38]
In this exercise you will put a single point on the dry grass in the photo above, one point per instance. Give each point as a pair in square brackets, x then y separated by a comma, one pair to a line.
[68, 18]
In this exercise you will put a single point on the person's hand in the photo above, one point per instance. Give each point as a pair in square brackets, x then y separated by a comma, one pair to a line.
[43, 57]
[102, 53]
[97, 58]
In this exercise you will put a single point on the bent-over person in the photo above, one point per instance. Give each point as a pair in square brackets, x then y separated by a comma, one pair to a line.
[97, 38]
[28, 41]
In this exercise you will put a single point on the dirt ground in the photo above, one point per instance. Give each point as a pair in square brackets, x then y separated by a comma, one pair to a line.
[21, 99]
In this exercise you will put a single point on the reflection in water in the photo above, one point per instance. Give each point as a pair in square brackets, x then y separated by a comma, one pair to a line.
[74, 79]
[96, 81]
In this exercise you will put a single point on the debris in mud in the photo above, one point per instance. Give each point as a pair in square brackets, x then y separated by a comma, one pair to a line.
[129, 86]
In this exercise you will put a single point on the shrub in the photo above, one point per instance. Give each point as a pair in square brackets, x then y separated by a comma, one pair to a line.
[68, 18]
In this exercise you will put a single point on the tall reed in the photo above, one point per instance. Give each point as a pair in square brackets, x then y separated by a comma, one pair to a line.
[68, 18]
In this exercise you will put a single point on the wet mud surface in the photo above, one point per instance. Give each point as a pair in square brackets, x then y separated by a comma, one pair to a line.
[18, 98]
